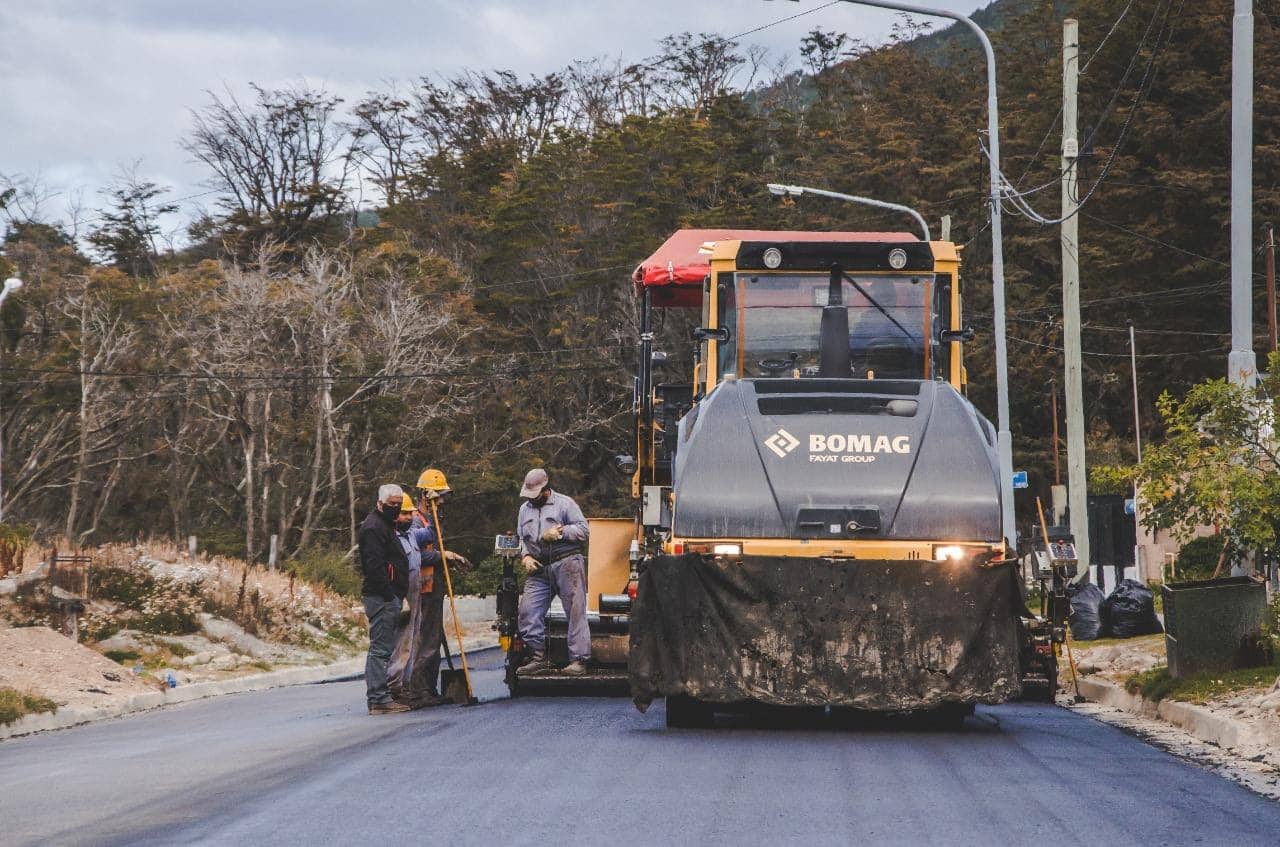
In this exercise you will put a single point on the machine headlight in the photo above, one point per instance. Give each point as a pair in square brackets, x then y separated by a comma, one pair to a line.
[897, 258]
[977, 553]
[727, 550]
[773, 258]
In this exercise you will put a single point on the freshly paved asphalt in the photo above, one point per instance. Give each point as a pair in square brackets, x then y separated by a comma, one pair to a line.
[306, 765]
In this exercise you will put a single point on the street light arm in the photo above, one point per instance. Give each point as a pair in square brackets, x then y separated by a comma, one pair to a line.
[1004, 439]
[797, 190]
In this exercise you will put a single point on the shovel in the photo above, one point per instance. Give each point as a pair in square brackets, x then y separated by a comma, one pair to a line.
[468, 697]
[453, 682]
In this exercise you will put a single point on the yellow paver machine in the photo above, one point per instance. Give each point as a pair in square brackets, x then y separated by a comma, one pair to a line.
[818, 514]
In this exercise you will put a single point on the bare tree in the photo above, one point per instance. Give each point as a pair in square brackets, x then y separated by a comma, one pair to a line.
[696, 69]
[496, 108]
[383, 141]
[127, 230]
[282, 163]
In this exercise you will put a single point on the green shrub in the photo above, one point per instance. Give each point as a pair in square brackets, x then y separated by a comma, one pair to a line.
[127, 584]
[14, 704]
[483, 578]
[170, 608]
[123, 656]
[15, 538]
[1156, 684]
[329, 567]
[221, 541]
[1198, 557]
[178, 649]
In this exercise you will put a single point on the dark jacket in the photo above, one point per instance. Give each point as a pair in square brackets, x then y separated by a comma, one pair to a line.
[383, 562]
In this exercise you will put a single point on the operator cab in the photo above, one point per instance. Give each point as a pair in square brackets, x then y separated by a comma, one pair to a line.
[778, 319]
[764, 304]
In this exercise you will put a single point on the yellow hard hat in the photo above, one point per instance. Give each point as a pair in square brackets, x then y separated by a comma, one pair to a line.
[432, 481]
[406, 505]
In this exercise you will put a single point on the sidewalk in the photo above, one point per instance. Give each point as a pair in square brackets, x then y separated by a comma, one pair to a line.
[346, 669]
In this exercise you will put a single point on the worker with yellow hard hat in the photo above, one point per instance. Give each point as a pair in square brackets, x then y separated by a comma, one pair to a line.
[417, 654]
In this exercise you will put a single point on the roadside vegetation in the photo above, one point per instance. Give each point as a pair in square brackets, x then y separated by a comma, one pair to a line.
[14, 705]
[1156, 684]
[154, 590]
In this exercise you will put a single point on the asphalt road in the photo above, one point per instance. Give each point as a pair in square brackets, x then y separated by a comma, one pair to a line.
[306, 765]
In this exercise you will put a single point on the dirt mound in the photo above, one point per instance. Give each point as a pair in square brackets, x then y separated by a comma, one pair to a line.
[37, 660]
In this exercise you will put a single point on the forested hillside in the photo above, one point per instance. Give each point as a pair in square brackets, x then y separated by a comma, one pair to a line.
[438, 274]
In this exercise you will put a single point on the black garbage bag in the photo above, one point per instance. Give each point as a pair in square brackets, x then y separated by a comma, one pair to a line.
[1130, 610]
[1086, 611]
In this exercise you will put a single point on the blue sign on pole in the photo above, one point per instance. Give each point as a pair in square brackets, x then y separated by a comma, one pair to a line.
[1020, 479]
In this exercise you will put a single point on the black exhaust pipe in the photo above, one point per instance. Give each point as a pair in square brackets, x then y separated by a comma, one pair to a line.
[834, 361]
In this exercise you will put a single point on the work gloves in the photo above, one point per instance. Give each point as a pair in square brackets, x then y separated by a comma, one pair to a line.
[457, 558]
[555, 533]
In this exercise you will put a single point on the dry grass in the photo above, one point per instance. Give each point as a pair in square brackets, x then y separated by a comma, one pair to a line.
[270, 603]
[14, 704]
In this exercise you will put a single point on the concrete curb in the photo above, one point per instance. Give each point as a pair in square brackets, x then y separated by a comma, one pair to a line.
[348, 669]
[1205, 724]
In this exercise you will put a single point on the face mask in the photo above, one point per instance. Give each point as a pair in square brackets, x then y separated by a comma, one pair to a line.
[392, 512]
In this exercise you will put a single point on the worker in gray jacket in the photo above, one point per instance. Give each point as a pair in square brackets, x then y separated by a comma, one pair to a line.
[553, 533]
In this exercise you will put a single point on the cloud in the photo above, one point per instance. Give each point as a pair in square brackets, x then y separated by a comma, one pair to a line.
[86, 86]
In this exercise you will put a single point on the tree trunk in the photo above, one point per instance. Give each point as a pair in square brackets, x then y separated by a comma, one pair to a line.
[82, 453]
[249, 442]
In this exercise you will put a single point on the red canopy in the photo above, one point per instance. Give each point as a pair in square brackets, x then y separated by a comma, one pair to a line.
[681, 261]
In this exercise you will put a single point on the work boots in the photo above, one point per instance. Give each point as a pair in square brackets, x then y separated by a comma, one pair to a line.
[389, 708]
[422, 701]
[535, 666]
[574, 668]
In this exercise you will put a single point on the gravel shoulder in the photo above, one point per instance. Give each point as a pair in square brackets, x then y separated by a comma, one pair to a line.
[1237, 732]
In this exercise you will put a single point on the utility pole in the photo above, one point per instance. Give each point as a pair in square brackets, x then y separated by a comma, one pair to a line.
[1058, 493]
[1057, 442]
[1242, 365]
[1077, 477]
[1133, 366]
[1137, 440]
[1271, 287]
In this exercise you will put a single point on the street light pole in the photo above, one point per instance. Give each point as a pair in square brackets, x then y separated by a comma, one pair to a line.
[1242, 365]
[797, 190]
[1004, 441]
[11, 285]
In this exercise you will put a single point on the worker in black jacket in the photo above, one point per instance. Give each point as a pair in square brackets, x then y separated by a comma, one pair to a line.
[385, 569]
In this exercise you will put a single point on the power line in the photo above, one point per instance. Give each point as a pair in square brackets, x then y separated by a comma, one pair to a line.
[532, 280]
[196, 376]
[784, 20]
[1114, 93]
[1119, 329]
[1103, 43]
[1174, 355]
[1154, 240]
[1010, 192]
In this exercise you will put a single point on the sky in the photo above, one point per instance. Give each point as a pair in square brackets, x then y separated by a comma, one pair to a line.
[89, 86]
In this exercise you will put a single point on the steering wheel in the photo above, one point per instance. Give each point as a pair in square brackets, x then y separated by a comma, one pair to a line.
[776, 366]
